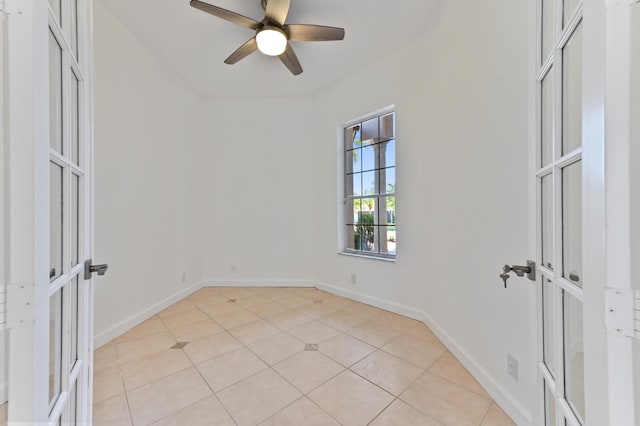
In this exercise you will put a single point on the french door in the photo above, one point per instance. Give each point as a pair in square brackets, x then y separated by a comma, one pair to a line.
[559, 171]
[51, 332]
[581, 174]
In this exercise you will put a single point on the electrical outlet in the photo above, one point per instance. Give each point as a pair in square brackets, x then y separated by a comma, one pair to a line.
[183, 277]
[512, 367]
[354, 279]
[234, 269]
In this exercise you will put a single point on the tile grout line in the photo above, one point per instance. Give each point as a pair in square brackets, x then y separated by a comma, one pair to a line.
[304, 395]
[195, 367]
[382, 411]
[126, 398]
[312, 319]
[486, 414]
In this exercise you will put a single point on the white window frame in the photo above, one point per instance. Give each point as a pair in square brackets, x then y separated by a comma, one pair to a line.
[343, 198]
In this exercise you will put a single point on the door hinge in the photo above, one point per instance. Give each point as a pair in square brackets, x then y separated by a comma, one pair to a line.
[623, 312]
[19, 305]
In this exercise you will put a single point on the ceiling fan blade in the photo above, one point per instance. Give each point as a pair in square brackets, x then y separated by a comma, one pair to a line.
[242, 52]
[227, 15]
[303, 32]
[290, 60]
[277, 10]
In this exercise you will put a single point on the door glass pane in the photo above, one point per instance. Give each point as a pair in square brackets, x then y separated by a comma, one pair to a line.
[547, 221]
[75, 215]
[548, 28]
[55, 227]
[73, 30]
[573, 354]
[546, 115]
[568, 9]
[73, 321]
[55, 94]
[572, 222]
[55, 346]
[549, 335]
[572, 93]
[549, 407]
[74, 111]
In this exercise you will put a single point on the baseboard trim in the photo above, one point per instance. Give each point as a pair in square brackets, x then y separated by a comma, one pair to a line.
[259, 283]
[519, 414]
[509, 404]
[128, 323]
[374, 301]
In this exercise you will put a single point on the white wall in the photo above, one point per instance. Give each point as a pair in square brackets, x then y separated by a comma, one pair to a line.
[260, 189]
[461, 98]
[257, 192]
[146, 213]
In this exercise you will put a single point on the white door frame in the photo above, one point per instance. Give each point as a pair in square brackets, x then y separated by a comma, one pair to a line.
[609, 370]
[27, 212]
[618, 196]
[28, 207]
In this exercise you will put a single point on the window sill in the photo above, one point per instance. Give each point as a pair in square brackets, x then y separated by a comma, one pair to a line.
[364, 256]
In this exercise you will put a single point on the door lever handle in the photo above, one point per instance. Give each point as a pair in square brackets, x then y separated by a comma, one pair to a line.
[90, 268]
[519, 270]
[529, 270]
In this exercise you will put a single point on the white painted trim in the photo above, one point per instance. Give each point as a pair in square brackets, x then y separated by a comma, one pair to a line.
[365, 256]
[521, 415]
[128, 323]
[397, 308]
[28, 205]
[365, 117]
[259, 283]
[618, 168]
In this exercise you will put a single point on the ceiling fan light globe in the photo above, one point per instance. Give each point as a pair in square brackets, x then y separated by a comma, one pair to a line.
[271, 41]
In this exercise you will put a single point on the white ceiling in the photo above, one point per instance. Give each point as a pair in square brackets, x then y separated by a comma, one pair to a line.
[195, 44]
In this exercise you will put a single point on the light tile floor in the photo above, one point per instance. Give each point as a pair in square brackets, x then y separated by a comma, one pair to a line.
[283, 357]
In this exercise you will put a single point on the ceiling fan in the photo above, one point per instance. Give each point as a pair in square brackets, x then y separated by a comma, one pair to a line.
[272, 34]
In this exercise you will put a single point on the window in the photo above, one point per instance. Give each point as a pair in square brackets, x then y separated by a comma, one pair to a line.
[370, 186]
